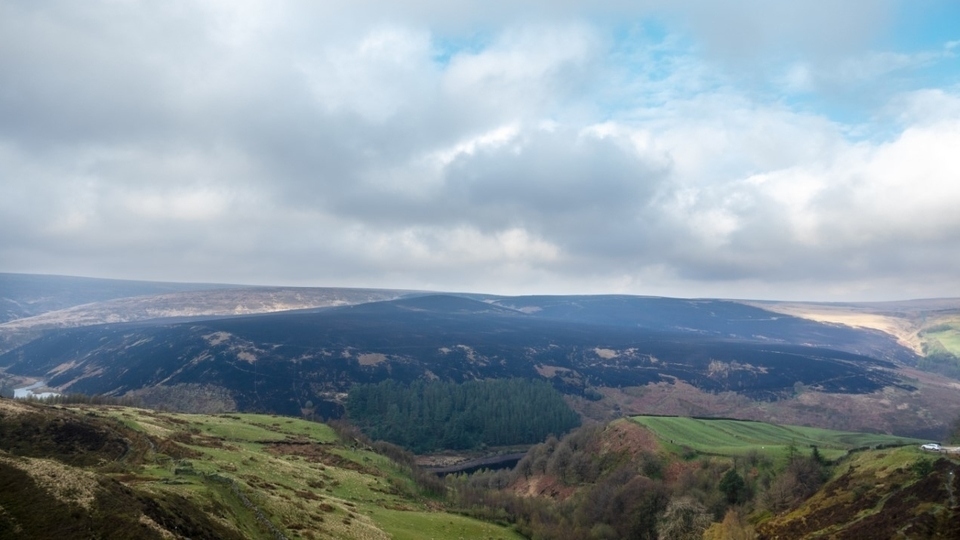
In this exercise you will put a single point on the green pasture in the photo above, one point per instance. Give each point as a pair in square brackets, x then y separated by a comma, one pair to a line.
[739, 437]
[433, 525]
[947, 333]
[331, 490]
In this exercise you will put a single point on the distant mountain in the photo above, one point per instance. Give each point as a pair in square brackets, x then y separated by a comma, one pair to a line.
[37, 303]
[203, 304]
[27, 295]
[279, 361]
[273, 349]
[724, 319]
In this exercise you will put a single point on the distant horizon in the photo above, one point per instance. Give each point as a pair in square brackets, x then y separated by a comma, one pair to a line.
[480, 292]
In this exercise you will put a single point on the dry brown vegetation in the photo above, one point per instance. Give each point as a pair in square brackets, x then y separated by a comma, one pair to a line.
[880, 495]
[904, 320]
[924, 412]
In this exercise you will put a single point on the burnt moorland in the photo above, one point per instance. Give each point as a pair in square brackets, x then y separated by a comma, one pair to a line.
[280, 362]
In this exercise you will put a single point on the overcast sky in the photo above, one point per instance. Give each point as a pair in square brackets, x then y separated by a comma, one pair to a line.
[782, 150]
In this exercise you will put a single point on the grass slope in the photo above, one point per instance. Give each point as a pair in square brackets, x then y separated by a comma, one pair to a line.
[738, 437]
[202, 476]
[890, 493]
[945, 333]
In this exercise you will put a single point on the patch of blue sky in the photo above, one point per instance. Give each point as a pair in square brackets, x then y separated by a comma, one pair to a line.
[651, 67]
[647, 51]
[445, 48]
[924, 25]
[929, 30]
[859, 112]
[919, 50]
[857, 122]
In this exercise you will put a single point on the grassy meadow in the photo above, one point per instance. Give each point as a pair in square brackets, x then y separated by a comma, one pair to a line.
[739, 437]
[270, 473]
[946, 332]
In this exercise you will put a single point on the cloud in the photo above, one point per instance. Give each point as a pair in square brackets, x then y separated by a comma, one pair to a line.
[372, 78]
[754, 29]
[652, 147]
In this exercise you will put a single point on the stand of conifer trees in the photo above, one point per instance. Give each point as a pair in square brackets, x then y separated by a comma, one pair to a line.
[427, 416]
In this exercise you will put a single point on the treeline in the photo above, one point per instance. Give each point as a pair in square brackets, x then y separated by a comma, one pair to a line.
[428, 416]
[953, 434]
[637, 494]
[187, 398]
[85, 399]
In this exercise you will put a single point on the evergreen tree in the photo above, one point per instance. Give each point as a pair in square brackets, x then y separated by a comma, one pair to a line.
[432, 415]
[733, 487]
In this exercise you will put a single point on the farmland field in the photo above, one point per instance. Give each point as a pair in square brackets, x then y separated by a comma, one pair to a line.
[738, 437]
[947, 333]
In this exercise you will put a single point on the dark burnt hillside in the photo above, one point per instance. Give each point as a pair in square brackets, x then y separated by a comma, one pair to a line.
[279, 362]
[710, 318]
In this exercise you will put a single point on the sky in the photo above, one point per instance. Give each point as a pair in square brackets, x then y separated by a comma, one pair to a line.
[740, 149]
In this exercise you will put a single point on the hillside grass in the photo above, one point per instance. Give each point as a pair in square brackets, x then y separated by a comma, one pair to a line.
[739, 437]
[946, 332]
[297, 474]
[889, 493]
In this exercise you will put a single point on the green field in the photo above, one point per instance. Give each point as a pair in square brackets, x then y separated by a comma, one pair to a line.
[305, 481]
[739, 437]
[947, 333]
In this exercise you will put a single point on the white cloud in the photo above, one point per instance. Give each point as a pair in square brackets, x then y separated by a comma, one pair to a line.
[477, 146]
[855, 73]
[490, 140]
[925, 107]
[525, 71]
[374, 77]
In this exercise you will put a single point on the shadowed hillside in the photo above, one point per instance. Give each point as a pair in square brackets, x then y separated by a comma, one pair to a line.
[279, 362]
[291, 350]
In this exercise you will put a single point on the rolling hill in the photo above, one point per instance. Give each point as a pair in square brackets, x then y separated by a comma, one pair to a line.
[124, 473]
[276, 349]
[105, 471]
[277, 361]
[28, 295]
[928, 327]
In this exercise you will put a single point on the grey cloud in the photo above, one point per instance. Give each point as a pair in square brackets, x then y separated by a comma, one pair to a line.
[196, 141]
[562, 185]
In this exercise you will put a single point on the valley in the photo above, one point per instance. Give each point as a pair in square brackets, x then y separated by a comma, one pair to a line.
[258, 412]
[122, 472]
[276, 350]
[929, 327]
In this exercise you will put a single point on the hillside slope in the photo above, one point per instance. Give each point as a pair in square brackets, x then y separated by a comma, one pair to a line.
[276, 363]
[658, 477]
[124, 473]
[929, 327]
[271, 349]
[28, 295]
[879, 494]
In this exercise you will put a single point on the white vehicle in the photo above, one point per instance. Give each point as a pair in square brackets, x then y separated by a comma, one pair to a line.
[931, 446]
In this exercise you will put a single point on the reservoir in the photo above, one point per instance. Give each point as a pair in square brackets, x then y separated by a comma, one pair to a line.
[28, 391]
[493, 463]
